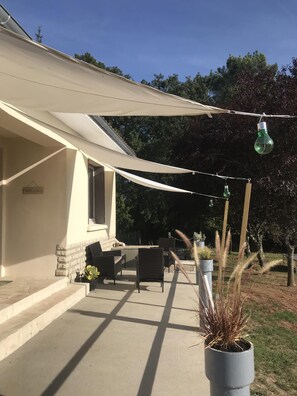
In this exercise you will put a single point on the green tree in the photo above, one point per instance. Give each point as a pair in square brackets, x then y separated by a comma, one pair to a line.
[88, 58]
[222, 144]
[284, 172]
[224, 85]
[38, 35]
[249, 84]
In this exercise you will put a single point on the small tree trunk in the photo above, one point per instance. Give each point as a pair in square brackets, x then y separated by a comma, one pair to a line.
[258, 241]
[248, 247]
[260, 255]
[291, 278]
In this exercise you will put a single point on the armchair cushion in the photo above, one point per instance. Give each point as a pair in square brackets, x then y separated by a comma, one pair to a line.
[168, 244]
[150, 266]
[109, 263]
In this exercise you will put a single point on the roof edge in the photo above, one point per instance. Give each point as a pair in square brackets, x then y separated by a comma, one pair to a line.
[113, 135]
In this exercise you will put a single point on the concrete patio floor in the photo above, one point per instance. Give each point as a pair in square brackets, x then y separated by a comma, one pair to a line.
[116, 341]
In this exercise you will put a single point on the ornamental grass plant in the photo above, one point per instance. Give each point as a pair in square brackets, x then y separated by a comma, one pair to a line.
[204, 253]
[225, 322]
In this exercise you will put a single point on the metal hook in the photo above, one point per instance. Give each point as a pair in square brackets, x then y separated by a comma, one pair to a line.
[5, 22]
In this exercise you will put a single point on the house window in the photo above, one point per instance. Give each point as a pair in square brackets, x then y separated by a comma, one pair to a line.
[96, 195]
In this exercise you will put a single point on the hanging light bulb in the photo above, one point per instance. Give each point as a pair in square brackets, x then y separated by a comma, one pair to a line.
[226, 193]
[264, 144]
[210, 203]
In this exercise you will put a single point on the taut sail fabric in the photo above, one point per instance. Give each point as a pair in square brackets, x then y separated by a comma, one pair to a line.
[40, 121]
[33, 76]
[149, 183]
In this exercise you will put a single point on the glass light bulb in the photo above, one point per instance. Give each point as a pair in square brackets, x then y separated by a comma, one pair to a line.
[264, 144]
[226, 193]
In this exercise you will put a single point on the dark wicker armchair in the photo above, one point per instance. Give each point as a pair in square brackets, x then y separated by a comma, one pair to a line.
[109, 263]
[150, 266]
[168, 245]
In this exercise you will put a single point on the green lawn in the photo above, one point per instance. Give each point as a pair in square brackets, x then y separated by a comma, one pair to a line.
[274, 335]
[273, 330]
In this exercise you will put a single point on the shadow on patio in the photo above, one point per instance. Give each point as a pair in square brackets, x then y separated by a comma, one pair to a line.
[116, 341]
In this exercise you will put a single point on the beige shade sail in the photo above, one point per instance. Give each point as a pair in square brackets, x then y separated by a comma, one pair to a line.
[44, 123]
[149, 183]
[9, 116]
[89, 129]
[33, 76]
[4, 182]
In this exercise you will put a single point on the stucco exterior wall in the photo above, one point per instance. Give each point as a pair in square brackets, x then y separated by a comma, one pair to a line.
[44, 235]
[32, 224]
[71, 253]
[78, 228]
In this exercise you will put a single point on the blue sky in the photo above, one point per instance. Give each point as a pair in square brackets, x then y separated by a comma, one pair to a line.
[147, 37]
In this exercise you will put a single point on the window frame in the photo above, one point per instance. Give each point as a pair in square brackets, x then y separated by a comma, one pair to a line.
[96, 194]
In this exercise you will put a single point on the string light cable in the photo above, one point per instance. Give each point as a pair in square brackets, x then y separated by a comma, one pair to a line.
[260, 115]
[224, 177]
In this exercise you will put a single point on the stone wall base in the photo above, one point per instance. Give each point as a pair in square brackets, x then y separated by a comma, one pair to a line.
[72, 258]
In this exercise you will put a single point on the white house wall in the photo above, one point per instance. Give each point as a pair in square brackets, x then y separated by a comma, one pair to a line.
[78, 228]
[76, 197]
[46, 234]
[32, 224]
[110, 202]
[71, 253]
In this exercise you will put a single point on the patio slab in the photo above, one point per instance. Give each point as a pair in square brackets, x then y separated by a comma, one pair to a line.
[116, 341]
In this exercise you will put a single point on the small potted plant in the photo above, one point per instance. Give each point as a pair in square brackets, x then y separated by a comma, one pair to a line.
[204, 269]
[204, 253]
[229, 355]
[205, 261]
[90, 275]
[199, 239]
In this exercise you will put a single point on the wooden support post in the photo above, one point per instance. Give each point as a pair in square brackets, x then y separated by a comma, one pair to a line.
[225, 225]
[245, 215]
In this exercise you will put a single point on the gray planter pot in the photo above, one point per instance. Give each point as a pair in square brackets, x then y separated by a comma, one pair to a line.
[230, 373]
[197, 275]
[200, 244]
[206, 268]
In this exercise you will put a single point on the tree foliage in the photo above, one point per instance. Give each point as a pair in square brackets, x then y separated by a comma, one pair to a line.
[222, 144]
[38, 35]
[88, 58]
